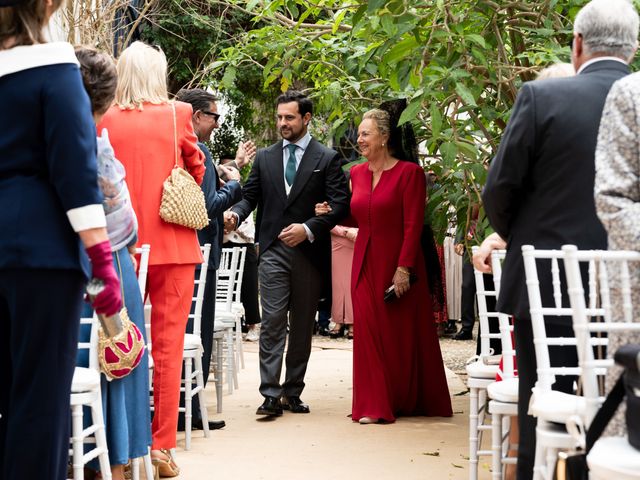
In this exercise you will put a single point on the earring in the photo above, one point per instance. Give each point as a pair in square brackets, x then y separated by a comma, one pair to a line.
[383, 144]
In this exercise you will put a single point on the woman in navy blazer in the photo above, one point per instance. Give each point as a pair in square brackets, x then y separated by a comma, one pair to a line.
[50, 213]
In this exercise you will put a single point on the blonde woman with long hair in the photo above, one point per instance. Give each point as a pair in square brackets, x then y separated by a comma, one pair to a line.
[141, 130]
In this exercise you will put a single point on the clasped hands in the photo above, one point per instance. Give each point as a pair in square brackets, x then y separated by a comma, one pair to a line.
[291, 236]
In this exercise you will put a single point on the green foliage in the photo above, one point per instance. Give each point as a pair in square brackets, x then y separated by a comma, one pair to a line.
[459, 64]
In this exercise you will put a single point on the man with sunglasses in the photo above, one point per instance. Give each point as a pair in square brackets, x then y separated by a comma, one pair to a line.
[218, 198]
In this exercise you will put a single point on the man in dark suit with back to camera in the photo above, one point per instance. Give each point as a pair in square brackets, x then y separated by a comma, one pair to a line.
[286, 181]
[539, 189]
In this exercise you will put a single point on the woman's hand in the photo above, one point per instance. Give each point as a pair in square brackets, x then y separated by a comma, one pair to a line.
[351, 234]
[401, 282]
[323, 208]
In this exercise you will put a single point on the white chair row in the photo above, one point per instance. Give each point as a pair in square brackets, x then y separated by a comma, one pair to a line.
[592, 280]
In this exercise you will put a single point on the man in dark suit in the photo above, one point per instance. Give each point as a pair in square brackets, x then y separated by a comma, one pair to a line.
[539, 189]
[287, 180]
[217, 198]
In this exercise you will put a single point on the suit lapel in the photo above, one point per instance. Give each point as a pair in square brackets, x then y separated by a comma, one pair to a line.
[308, 163]
[276, 170]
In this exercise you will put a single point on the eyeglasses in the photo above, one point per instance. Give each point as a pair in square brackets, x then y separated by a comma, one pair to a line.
[216, 116]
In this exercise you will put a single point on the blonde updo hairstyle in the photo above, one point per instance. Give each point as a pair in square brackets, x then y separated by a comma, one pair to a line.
[382, 120]
[142, 77]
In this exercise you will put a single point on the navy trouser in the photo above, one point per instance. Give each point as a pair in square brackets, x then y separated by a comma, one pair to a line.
[39, 323]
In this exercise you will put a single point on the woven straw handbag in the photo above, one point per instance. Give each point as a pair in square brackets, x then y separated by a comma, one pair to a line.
[182, 198]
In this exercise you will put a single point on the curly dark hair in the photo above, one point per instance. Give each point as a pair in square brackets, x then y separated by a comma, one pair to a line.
[99, 77]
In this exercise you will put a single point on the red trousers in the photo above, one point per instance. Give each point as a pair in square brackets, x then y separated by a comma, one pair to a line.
[170, 291]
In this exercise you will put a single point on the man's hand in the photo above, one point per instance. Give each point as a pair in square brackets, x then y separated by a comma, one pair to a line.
[245, 153]
[459, 248]
[230, 173]
[293, 235]
[230, 221]
[482, 257]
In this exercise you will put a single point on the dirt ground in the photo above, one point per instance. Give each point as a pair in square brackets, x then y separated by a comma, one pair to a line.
[326, 444]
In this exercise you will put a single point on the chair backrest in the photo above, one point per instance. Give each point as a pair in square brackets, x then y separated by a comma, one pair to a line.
[199, 284]
[92, 344]
[237, 283]
[143, 267]
[610, 310]
[227, 275]
[504, 320]
[483, 312]
[543, 261]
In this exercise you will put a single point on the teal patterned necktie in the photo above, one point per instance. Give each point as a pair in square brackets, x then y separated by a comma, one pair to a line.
[290, 171]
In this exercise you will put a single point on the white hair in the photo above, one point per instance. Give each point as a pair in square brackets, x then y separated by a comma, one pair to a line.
[608, 27]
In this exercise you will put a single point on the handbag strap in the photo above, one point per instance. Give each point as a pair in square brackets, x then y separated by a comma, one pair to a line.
[605, 413]
[175, 134]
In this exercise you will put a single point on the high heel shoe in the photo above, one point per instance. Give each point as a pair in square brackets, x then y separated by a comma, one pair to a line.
[350, 332]
[337, 332]
[167, 467]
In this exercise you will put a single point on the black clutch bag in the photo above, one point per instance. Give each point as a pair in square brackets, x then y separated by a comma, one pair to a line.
[390, 293]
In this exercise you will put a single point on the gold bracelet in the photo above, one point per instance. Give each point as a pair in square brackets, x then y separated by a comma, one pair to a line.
[403, 270]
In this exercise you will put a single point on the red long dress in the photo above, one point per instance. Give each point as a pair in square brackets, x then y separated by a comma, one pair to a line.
[397, 364]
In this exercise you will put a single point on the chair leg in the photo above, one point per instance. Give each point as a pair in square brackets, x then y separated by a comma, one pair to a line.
[76, 442]
[239, 348]
[201, 400]
[218, 374]
[148, 466]
[230, 362]
[187, 403]
[101, 438]
[473, 433]
[496, 446]
[539, 467]
[552, 455]
[135, 469]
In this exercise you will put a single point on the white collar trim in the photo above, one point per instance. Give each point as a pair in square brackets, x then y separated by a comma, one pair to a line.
[21, 58]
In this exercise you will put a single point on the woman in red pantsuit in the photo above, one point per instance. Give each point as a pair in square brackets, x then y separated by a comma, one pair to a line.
[141, 130]
[397, 364]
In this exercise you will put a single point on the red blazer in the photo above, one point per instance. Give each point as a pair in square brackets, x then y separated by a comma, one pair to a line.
[144, 142]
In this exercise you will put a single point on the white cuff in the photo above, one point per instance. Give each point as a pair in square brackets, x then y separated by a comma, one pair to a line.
[89, 216]
[310, 235]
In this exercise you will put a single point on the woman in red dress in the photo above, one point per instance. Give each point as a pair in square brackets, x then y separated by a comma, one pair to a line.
[397, 364]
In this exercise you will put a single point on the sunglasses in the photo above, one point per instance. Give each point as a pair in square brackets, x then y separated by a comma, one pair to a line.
[216, 116]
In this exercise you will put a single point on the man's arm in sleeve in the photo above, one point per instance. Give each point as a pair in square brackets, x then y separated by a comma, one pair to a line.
[510, 167]
[251, 192]
[337, 191]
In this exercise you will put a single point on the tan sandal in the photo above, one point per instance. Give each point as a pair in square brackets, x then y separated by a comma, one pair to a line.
[167, 467]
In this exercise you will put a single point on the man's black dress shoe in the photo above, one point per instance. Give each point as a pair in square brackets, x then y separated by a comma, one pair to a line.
[196, 424]
[271, 407]
[463, 335]
[295, 405]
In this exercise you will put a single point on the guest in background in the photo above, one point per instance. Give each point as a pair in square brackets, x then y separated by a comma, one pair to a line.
[539, 190]
[125, 401]
[218, 198]
[244, 237]
[617, 197]
[150, 136]
[51, 219]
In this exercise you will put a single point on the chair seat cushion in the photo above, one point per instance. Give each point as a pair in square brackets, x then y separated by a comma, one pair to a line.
[505, 391]
[625, 464]
[555, 406]
[480, 370]
[192, 341]
[84, 380]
